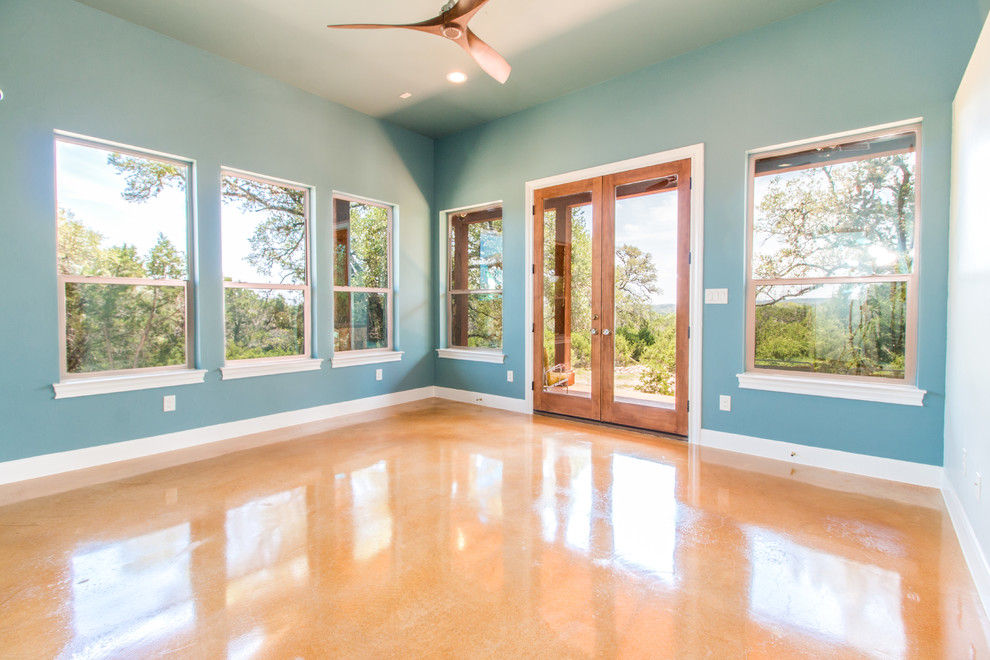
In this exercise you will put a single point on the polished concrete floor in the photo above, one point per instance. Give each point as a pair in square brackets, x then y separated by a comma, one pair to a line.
[437, 529]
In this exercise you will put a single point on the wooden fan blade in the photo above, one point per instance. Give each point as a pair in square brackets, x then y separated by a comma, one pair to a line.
[431, 26]
[487, 57]
[464, 9]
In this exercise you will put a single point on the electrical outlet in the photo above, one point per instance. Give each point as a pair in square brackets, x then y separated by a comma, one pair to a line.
[725, 402]
[378, 374]
[508, 375]
[168, 403]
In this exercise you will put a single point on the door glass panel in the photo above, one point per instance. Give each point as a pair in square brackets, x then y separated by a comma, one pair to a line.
[646, 292]
[567, 231]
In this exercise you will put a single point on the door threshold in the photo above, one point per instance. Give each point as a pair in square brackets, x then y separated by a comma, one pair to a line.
[619, 427]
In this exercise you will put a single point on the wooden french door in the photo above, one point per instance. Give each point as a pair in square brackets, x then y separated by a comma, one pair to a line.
[610, 298]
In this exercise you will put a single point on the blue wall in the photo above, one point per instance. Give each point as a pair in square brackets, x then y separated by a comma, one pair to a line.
[67, 66]
[848, 65]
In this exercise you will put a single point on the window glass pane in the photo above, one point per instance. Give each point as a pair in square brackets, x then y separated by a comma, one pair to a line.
[360, 321]
[475, 252]
[853, 329]
[476, 320]
[264, 232]
[116, 326]
[263, 323]
[567, 241]
[361, 241]
[852, 217]
[645, 319]
[119, 215]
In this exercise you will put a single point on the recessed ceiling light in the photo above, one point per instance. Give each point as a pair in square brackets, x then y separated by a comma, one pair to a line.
[405, 95]
[456, 77]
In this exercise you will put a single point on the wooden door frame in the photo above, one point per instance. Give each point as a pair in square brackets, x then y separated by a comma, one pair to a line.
[695, 153]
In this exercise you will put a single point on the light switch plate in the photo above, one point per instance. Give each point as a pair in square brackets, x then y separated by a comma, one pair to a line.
[716, 296]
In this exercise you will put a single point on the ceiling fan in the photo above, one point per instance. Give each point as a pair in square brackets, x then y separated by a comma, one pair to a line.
[452, 24]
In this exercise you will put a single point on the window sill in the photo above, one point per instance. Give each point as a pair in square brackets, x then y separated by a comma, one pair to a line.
[905, 395]
[250, 369]
[357, 358]
[472, 354]
[70, 388]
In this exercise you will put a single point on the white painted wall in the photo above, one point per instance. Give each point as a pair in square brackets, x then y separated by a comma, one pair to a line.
[967, 390]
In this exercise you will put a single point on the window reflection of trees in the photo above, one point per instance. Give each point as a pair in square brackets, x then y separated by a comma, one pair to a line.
[133, 596]
[644, 514]
[826, 595]
[372, 513]
[266, 545]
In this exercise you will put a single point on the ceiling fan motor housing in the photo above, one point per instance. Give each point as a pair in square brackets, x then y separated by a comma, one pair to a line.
[452, 32]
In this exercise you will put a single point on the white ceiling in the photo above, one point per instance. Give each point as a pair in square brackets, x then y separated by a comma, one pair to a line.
[554, 46]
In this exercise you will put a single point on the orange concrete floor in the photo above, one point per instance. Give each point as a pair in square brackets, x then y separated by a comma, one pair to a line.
[438, 529]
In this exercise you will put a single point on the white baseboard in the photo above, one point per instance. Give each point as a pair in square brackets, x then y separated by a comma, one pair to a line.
[830, 459]
[979, 568]
[481, 399]
[79, 459]
[89, 457]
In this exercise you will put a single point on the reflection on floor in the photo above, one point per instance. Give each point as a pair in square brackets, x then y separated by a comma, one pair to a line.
[445, 530]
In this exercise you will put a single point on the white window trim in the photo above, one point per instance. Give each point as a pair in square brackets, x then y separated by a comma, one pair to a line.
[447, 349]
[492, 356]
[70, 382]
[358, 358]
[306, 289]
[876, 389]
[837, 388]
[68, 389]
[268, 367]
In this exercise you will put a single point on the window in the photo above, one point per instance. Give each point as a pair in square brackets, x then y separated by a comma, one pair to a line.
[474, 278]
[362, 277]
[265, 268]
[122, 239]
[833, 278]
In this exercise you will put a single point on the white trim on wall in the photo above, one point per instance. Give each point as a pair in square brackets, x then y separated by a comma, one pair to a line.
[472, 355]
[50, 464]
[74, 387]
[979, 567]
[79, 459]
[891, 469]
[838, 388]
[359, 358]
[443, 264]
[696, 153]
[482, 399]
[250, 369]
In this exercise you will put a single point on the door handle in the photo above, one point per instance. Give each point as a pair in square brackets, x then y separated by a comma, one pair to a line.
[606, 331]
[594, 331]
